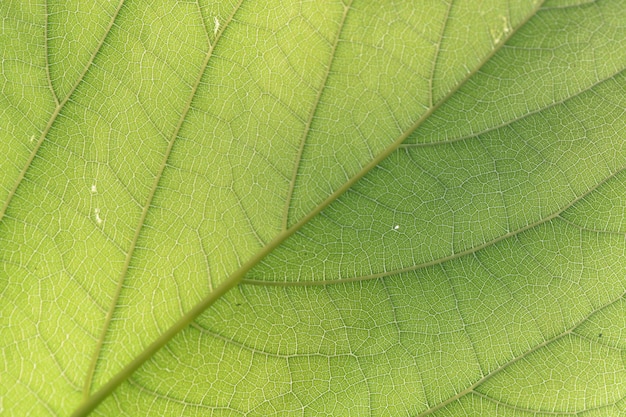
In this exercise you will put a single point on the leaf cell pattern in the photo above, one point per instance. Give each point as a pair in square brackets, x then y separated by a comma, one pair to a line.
[313, 208]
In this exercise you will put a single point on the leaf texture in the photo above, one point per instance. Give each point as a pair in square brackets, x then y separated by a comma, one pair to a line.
[360, 207]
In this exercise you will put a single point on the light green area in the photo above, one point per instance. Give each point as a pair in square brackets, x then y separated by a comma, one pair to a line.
[425, 203]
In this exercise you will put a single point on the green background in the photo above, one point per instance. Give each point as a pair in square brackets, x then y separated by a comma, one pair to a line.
[423, 204]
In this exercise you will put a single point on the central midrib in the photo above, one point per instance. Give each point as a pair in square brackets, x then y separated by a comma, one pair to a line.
[235, 278]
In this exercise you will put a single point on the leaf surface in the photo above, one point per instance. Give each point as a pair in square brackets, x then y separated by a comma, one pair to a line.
[361, 208]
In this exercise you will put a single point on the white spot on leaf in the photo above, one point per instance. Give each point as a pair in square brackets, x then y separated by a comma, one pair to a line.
[99, 219]
[505, 25]
[396, 227]
[94, 189]
[497, 34]
[217, 25]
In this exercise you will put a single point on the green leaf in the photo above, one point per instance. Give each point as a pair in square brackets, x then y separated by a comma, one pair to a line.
[313, 208]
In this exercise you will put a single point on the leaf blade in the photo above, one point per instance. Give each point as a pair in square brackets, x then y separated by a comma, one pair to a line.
[396, 359]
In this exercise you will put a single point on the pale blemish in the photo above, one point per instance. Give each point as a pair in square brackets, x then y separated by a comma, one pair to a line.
[396, 227]
[216, 28]
[505, 24]
[497, 34]
[94, 189]
[99, 219]
[32, 138]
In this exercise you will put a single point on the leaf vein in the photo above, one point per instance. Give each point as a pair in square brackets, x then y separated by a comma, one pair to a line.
[57, 110]
[141, 222]
[307, 127]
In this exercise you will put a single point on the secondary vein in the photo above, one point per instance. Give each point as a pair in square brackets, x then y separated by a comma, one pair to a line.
[142, 218]
[57, 109]
[307, 127]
